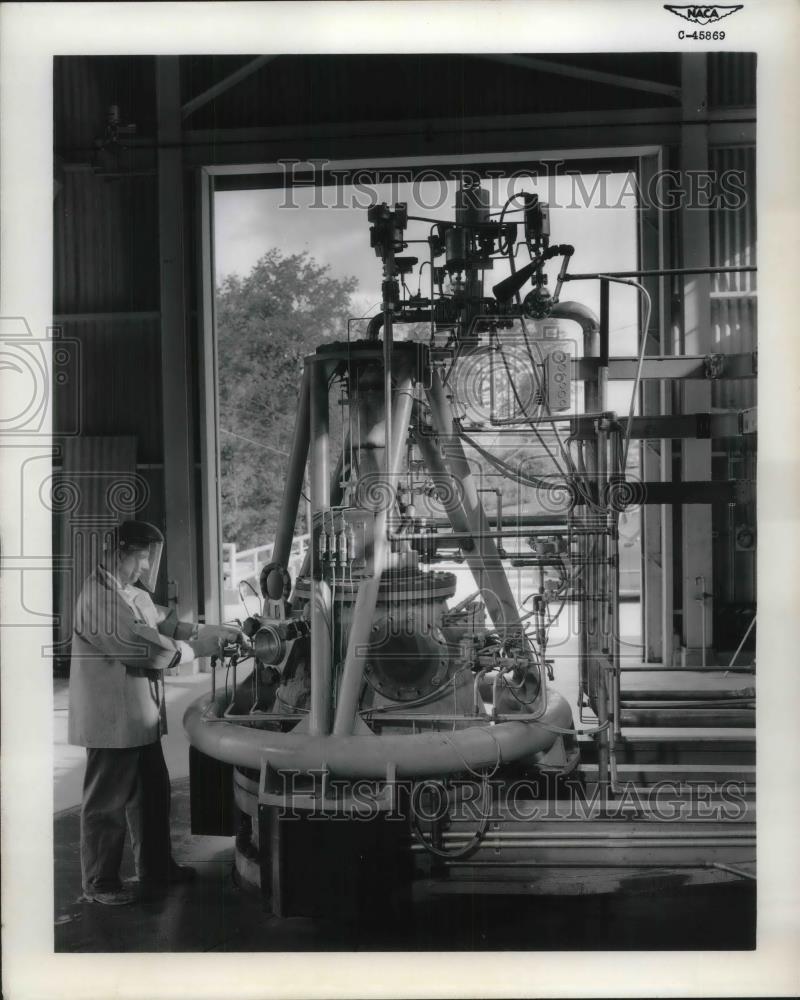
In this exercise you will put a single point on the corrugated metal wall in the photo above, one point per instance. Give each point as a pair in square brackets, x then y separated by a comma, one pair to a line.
[733, 234]
[119, 389]
[733, 296]
[105, 244]
[731, 79]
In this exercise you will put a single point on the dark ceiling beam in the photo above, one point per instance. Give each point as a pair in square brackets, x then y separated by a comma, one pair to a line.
[582, 73]
[445, 137]
[621, 127]
[225, 84]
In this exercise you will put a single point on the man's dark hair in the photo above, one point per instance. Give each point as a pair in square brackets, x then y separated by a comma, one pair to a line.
[137, 535]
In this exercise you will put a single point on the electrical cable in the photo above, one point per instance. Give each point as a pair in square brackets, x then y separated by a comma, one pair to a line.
[425, 263]
[293, 708]
[502, 467]
[535, 429]
[255, 592]
[472, 845]
[424, 700]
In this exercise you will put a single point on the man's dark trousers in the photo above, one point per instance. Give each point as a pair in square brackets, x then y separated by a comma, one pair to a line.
[125, 788]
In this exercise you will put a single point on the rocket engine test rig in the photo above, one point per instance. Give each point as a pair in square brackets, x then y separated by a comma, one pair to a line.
[377, 699]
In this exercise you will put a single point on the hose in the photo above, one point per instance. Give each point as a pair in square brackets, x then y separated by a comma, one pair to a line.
[473, 844]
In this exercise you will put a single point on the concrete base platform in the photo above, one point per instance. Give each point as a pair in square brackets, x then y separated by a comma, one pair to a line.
[212, 914]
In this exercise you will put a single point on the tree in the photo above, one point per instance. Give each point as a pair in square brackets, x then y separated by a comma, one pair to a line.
[267, 323]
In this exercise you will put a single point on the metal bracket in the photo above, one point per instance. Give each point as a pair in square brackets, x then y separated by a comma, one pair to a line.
[748, 420]
[714, 365]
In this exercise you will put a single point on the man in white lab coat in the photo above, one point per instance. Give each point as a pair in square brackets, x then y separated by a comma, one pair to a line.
[121, 647]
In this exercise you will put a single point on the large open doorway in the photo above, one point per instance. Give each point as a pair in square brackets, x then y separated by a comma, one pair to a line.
[293, 266]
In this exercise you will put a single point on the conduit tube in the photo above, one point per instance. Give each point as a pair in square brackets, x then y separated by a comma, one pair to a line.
[424, 755]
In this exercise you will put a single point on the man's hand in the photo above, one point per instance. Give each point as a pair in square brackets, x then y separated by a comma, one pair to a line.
[210, 638]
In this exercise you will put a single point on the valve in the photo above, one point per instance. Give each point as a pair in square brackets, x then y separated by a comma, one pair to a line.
[538, 302]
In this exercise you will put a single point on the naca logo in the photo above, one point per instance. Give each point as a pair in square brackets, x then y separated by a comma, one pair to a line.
[702, 15]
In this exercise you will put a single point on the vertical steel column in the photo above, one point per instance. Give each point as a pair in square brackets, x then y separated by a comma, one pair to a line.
[179, 459]
[292, 491]
[368, 589]
[600, 588]
[321, 610]
[655, 520]
[596, 345]
[388, 332]
[617, 473]
[696, 521]
[602, 538]
[605, 344]
[211, 505]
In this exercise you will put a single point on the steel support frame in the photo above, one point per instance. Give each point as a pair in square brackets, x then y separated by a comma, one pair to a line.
[693, 366]
[211, 527]
[729, 423]
[697, 566]
[179, 466]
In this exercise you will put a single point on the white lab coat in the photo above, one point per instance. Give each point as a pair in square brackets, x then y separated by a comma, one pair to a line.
[119, 654]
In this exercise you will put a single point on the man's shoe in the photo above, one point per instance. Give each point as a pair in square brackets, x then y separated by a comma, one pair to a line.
[110, 897]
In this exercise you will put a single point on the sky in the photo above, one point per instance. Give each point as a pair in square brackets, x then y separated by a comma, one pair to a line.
[249, 223]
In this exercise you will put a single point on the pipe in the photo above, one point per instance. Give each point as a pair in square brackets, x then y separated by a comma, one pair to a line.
[602, 843]
[584, 317]
[733, 870]
[368, 589]
[646, 865]
[424, 755]
[321, 640]
[406, 316]
[284, 534]
[637, 837]
[662, 272]
[741, 645]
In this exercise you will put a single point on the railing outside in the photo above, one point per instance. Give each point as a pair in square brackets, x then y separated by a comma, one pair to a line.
[245, 565]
